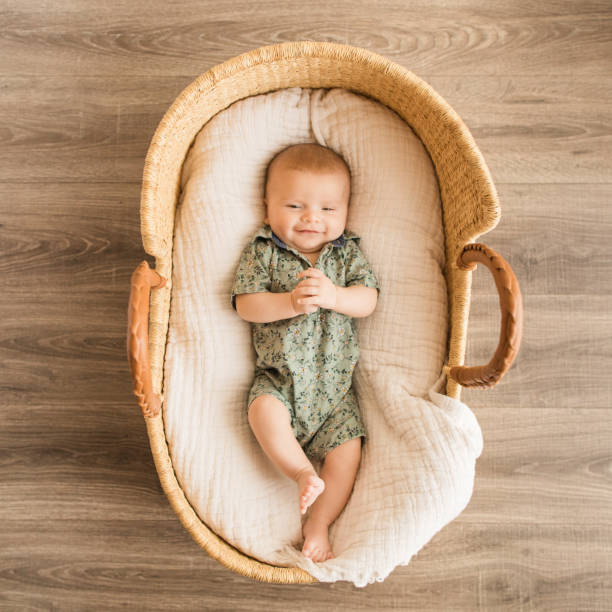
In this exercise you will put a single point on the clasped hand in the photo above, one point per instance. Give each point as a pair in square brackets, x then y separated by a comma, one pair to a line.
[315, 290]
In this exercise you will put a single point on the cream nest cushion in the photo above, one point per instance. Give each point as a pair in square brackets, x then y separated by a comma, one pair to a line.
[417, 467]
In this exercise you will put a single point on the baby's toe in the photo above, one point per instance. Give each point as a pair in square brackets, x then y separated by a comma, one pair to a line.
[309, 552]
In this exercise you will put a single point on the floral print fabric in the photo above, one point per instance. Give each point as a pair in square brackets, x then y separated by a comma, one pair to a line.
[307, 361]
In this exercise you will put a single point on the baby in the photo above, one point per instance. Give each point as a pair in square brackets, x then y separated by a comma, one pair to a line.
[300, 282]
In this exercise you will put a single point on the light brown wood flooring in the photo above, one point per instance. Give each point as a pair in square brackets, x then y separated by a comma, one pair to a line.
[84, 524]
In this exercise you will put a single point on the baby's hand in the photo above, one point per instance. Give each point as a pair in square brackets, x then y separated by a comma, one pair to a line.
[301, 308]
[314, 290]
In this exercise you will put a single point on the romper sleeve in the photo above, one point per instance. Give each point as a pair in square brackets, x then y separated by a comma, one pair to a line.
[252, 274]
[358, 269]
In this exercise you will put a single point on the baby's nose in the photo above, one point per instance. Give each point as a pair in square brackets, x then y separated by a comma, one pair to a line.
[309, 215]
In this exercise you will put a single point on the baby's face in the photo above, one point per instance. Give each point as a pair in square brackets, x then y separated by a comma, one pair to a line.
[306, 210]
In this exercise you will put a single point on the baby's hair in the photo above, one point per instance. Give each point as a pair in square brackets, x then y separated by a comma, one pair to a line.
[308, 156]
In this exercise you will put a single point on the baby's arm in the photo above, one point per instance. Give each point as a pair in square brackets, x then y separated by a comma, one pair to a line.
[356, 301]
[265, 307]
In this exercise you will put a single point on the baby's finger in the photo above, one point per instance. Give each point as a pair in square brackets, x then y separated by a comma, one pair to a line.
[310, 272]
[308, 300]
[309, 282]
[304, 291]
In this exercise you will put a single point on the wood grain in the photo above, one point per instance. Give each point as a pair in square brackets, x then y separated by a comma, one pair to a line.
[103, 138]
[84, 524]
[441, 37]
[470, 567]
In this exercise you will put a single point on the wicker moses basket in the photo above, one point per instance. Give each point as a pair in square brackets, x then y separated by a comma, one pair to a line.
[470, 208]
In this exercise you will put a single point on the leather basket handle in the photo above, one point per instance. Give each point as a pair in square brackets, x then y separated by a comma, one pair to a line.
[143, 280]
[511, 304]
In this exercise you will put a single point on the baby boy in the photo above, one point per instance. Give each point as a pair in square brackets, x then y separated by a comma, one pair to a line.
[300, 282]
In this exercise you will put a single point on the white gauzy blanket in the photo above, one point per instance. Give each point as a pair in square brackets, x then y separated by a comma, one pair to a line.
[417, 467]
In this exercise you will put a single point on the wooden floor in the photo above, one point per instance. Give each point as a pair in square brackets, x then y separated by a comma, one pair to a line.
[84, 524]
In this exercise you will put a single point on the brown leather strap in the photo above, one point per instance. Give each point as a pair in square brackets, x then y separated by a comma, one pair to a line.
[511, 304]
[143, 280]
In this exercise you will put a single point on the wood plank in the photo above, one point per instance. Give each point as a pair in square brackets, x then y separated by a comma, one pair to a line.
[495, 567]
[433, 37]
[564, 357]
[65, 237]
[543, 466]
[525, 135]
[555, 237]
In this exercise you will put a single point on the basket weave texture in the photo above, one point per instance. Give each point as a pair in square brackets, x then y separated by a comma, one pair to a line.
[469, 202]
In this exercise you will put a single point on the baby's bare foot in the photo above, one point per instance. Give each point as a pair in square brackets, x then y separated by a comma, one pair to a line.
[310, 487]
[316, 541]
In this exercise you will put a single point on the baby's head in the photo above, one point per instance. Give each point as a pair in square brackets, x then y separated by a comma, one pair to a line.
[306, 192]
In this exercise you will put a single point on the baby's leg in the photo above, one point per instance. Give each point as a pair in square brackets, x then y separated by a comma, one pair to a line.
[339, 472]
[271, 423]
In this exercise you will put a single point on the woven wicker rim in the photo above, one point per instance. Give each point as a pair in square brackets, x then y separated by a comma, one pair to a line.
[469, 201]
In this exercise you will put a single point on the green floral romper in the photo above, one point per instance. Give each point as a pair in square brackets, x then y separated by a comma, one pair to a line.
[307, 361]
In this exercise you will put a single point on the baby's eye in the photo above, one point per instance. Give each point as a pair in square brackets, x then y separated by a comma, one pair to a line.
[331, 209]
[292, 206]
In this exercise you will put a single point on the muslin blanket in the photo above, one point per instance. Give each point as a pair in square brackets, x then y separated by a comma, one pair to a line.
[417, 466]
